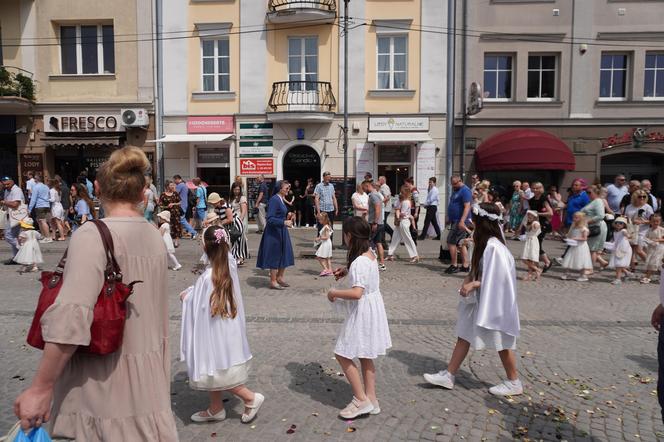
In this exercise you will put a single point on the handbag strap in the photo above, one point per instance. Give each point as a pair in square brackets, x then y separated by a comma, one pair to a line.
[112, 267]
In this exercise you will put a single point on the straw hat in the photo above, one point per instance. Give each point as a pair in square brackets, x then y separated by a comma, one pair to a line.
[620, 219]
[165, 215]
[27, 223]
[211, 217]
[214, 198]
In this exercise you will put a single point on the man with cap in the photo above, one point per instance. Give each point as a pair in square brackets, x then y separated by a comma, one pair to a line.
[12, 200]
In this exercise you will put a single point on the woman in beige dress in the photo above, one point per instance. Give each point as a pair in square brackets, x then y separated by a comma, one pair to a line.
[124, 396]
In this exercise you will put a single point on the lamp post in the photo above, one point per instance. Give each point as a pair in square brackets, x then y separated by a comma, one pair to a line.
[345, 129]
[449, 145]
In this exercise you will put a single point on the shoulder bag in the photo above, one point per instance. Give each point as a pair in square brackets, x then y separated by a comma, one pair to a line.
[110, 311]
[594, 230]
[17, 215]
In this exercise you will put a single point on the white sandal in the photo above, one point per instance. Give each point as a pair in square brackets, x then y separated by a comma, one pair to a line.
[196, 417]
[258, 401]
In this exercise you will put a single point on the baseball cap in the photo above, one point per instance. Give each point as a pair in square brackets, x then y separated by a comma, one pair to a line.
[6, 178]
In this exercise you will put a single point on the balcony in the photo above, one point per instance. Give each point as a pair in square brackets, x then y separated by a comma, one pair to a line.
[17, 91]
[291, 11]
[302, 102]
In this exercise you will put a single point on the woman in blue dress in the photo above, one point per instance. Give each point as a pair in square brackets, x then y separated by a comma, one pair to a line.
[275, 251]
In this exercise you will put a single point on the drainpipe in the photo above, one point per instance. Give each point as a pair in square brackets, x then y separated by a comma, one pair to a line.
[449, 134]
[345, 195]
[464, 82]
[158, 50]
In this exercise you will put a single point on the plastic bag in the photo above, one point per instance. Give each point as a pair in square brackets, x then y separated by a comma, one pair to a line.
[35, 435]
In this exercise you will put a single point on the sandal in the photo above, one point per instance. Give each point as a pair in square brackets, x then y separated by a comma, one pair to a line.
[389, 258]
[283, 283]
[257, 402]
[198, 417]
[415, 260]
[277, 287]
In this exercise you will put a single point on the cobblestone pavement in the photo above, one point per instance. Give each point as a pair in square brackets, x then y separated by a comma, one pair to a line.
[587, 356]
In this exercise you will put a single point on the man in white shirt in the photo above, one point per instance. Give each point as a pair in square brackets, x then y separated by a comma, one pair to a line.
[431, 205]
[652, 199]
[387, 203]
[616, 192]
[30, 183]
[12, 200]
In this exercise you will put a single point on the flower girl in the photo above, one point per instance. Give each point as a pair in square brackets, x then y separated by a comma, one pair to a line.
[29, 253]
[655, 241]
[164, 218]
[213, 340]
[622, 250]
[324, 252]
[364, 334]
[578, 255]
[531, 248]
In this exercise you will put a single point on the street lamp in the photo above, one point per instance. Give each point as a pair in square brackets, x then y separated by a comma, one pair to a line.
[345, 129]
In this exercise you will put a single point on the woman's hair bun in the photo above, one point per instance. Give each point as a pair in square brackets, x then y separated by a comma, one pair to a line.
[128, 160]
[122, 177]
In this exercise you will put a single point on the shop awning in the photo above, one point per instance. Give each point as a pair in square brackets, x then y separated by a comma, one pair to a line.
[82, 141]
[398, 137]
[524, 149]
[192, 138]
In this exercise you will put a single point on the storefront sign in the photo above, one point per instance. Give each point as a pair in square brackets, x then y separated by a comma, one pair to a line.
[210, 125]
[255, 140]
[255, 149]
[425, 168]
[33, 162]
[250, 130]
[213, 155]
[635, 137]
[396, 124]
[256, 166]
[364, 160]
[83, 123]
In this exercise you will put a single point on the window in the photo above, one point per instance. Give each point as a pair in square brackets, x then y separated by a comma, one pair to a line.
[392, 62]
[303, 63]
[87, 49]
[498, 77]
[613, 77]
[542, 77]
[216, 65]
[653, 85]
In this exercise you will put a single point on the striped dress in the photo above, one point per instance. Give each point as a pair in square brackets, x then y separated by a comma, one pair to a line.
[239, 248]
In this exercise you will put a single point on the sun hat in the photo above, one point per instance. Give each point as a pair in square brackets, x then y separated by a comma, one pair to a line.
[214, 198]
[532, 213]
[210, 217]
[27, 223]
[620, 219]
[165, 215]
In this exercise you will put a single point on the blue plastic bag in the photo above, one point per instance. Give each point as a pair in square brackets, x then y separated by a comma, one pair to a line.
[35, 435]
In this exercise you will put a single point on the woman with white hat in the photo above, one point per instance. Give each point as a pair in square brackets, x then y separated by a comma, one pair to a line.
[164, 218]
[233, 225]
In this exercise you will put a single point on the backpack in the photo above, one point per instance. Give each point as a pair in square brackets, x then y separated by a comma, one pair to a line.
[191, 198]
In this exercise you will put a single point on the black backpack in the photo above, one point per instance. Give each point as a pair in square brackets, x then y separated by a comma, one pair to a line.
[191, 198]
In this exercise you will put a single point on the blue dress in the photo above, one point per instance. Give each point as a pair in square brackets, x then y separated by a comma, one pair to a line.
[275, 251]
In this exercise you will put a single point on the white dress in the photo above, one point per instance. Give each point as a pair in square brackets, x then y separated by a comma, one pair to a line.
[531, 248]
[215, 349]
[622, 251]
[578, 256]
[365, 333]
[30, 252]
[655, 252]
[165, 230]
[325, 248]
[57, 211]
[489, 318]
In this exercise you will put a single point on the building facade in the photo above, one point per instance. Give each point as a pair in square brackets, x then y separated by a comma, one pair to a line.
[588, 73]
[262, 91]
[92, 70]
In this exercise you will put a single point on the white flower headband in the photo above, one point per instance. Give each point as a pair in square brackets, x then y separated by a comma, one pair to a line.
[221, 235]
[478, 211]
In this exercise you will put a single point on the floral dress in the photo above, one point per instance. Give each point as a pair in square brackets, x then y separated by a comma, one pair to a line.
[176, 212]
[516, 211]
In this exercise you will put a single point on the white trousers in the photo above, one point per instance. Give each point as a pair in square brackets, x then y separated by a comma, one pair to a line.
[261, 220]
[173, 260]
[402, 232]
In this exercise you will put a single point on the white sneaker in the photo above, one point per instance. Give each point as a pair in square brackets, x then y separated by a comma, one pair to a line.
[558, 261]
[582, 278]
[177, 267]
[507, 388]
[443, 379]
[356, 408]
[45, 240]
[376, 408]
[616, 282]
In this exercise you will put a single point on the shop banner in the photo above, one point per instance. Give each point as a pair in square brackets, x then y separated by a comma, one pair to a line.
[250, 130]
[210, 125]
[364, 160]
[83, 123]
[396, 124]
[425, 168]
[255, 140]
[31, 162]
[256, 166]
[255, 149]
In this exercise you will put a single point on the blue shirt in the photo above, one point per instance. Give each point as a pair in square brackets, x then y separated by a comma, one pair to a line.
[40, 197]
[183, 191]
[457, 200]
[262, 188]
[325, 194]
[201, 194]
[82, 208]
[574, 204]
[91, 189]
[432, 197]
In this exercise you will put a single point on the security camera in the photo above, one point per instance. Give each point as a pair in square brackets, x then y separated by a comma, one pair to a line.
[583, 48]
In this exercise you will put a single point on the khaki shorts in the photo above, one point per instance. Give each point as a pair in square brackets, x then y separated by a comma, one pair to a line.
[43, 213]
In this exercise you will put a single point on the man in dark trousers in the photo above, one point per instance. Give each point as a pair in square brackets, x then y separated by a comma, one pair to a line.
[431, 205]
[657, 321]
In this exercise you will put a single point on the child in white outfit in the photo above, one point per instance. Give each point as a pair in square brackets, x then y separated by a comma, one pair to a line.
[365, 333]
[621, 257]
[165, 230]
[531, 249]
[578, 255]
[29, 253]
[654, 240]
[324, 252]
[213, 340]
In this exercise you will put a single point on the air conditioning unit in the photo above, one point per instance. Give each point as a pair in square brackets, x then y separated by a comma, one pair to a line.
[135, 118]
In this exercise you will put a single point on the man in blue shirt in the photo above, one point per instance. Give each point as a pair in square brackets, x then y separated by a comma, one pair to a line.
[458, 215]
[261, 203]
[201, 200]
[431, 205]
[577, 200]
[182, 190]
[41, 204]
[325, 199]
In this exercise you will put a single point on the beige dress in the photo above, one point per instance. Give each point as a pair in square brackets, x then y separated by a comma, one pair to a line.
[124, 396]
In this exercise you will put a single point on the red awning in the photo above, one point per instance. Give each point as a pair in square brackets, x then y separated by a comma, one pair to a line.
[524, 149]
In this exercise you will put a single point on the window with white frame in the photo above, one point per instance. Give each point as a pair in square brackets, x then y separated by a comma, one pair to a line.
[216, 65]
[303, 63]
[498, 77]
[87, 49]
[392, 67]
[653, 84]
[542, 77]
[613, 76]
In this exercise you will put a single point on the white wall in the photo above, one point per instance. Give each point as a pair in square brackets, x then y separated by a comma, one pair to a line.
[356, 58]
[433, 57]
[253, 57]
[175, 97]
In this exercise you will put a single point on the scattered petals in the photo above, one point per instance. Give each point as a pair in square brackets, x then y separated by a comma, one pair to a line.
[351, 430]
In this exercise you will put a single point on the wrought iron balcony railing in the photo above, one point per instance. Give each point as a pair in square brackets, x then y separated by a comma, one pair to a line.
[284, 5]
[16, 82]
[313, 96]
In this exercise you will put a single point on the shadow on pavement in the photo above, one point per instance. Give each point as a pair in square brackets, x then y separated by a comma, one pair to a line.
[646, 362]
[322, 385]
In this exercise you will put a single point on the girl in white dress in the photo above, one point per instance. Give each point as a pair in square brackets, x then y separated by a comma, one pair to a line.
[213, 340]
[578, 255]
[324, 252]
[57, 211]
[621, 256]
[29, 253]
[164, 218]
[402, 228]
[365, 333]
[531, 249]
[488, 310]
[654, 240]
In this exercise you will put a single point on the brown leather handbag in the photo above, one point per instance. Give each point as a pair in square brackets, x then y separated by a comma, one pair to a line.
[110, 311]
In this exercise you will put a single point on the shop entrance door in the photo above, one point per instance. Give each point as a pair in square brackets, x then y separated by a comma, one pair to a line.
[395, 163]
[635, 166]
[301, 163]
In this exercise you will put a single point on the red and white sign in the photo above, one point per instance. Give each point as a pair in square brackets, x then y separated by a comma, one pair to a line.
[256, 166]
[210, 125]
